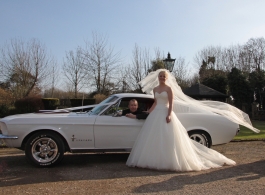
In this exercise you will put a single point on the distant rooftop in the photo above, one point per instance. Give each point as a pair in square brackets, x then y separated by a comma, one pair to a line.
[200, 90]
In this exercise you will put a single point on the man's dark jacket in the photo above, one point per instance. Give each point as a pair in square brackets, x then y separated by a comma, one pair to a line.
[139, 113]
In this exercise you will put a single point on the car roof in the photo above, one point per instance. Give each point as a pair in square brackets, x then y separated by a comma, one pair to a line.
[139, 95]
[80, 107]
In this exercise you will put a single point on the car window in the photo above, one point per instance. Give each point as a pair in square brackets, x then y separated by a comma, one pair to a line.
[123, 104]
[96, 110]
[81, 109]
[143, 103]
[110, 99]
[111, 110]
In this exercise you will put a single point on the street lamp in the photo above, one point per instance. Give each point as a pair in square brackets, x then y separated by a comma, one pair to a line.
[169, 62]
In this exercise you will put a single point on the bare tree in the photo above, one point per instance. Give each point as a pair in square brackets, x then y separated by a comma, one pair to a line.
[182, 72]
[139, 68]
[207, 53]
[24, 66]
[230, 57]
[123, 84]
[101, 61]
[247, 57]
[244, 60]
[74, 70]
[158, 54]
[52, 80]
[256, 50]
[142, 65]
[157, 63]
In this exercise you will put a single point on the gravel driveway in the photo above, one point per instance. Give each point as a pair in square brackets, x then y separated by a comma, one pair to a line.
[108, 174]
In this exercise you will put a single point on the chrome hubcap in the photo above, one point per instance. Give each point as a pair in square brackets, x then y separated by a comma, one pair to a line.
[44, 150]
[198, 138]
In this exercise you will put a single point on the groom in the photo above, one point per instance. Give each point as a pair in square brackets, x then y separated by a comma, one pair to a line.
[134, 111]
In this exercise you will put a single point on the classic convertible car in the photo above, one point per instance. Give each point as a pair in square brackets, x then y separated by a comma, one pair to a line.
[45, 136]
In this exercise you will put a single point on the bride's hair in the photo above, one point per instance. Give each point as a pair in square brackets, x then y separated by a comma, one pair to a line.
[164, 72]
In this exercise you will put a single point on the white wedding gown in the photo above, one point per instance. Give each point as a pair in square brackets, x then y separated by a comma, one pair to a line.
[167, 146]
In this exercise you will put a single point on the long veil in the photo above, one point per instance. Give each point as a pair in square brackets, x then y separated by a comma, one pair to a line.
[230, 112]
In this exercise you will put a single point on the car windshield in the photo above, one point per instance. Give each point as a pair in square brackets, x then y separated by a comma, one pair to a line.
[110, 99]
[96, 110]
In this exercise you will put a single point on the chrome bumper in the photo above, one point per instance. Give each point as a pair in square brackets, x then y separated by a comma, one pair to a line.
[8, 136]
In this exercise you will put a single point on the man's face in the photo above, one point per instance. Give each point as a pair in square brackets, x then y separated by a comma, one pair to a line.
[133, 106]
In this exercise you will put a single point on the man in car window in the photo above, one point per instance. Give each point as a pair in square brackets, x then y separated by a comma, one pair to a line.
[134, 111]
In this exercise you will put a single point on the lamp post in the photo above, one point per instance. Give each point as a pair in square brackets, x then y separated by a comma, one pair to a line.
[169, 62]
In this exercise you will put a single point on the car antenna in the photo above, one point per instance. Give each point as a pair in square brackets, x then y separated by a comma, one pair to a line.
[82, 101]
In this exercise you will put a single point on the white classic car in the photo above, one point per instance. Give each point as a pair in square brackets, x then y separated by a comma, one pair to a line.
[47, 135]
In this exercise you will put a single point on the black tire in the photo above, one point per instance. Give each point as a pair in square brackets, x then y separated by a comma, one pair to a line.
[201, 137]
[44, 149]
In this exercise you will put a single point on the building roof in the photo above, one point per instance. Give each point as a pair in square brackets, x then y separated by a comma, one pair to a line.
[200, 90]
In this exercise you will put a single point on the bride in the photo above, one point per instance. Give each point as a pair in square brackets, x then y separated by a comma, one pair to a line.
[163, 142]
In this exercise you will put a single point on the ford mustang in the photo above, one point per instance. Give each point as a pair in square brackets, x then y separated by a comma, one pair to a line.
[45, 136]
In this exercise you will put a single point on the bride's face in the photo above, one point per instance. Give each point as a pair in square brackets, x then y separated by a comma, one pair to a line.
[162, 77]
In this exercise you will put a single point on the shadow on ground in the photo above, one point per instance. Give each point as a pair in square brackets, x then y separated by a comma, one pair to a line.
[15, 170]
[244, 172]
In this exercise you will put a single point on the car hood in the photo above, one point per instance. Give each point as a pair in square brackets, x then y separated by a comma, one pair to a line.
[39, 116]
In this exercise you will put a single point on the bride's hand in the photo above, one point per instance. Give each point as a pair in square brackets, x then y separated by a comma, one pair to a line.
[168, 119]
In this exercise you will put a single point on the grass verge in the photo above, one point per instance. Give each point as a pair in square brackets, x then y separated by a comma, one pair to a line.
[246, 134]
[2, 143]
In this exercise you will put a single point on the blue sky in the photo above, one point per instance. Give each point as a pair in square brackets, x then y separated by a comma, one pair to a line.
[182, 27]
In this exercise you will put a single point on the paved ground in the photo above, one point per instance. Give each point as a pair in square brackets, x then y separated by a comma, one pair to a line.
[108, 174]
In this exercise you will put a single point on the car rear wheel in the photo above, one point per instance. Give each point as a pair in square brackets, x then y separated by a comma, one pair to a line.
[201, 137]
[44, 149]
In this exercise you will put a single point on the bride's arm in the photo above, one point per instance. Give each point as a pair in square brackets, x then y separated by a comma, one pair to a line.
[170, 102]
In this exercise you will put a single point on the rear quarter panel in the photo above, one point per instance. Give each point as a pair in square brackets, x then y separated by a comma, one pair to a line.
[220, 129]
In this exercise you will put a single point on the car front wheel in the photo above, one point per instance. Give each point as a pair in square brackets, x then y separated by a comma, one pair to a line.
[44, 149]
[201, 137]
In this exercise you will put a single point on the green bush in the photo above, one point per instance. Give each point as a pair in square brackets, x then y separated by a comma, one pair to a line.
[12, 111]
[65, 103]
[29, 104]
[50, 103]
[78, 102]
[4, 111]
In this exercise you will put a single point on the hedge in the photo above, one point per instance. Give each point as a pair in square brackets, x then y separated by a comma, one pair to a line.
[34, 104]
[78, 102]
[4, 111]
[28, 105]
[50, 103]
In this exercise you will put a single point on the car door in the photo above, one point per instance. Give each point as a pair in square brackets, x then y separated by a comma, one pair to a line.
[116, 132]
[78, 130]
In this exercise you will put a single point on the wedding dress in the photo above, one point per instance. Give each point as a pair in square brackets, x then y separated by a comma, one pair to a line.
[167, 146]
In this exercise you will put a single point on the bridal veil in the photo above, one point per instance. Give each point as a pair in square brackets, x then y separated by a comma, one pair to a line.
[230, 112]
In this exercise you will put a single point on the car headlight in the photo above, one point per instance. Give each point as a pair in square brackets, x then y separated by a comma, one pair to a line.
[3, 128]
